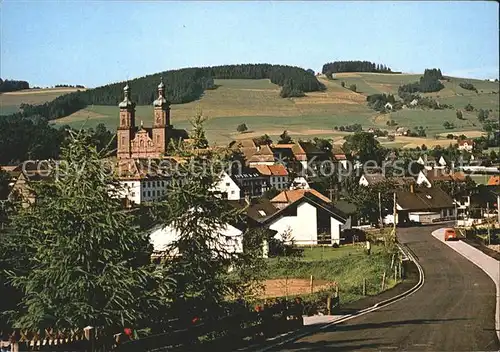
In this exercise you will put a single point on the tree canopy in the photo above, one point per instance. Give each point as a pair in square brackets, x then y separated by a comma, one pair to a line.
[85, 261]
[354, 66]
[364, 147]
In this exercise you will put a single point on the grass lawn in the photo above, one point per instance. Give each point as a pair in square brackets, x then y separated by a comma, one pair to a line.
[347, 266]
[10, 101]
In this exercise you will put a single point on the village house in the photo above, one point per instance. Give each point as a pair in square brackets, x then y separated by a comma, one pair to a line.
[300, 183]
[430, 162]
[423, 205]
[308, 217]
[262, 156]
[144, 180]
[251, 182]
[277, 174]
[286, 198]
[228, 187]
[494, 180]
[26, 173]
[428, 177]
[371, 179]
[466, 144]
[402, 131]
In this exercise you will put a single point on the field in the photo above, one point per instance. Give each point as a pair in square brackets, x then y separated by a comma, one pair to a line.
[345, 266]
[9, 102]
[257, 104]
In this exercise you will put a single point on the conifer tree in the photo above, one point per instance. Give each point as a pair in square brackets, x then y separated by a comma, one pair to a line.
[202, 250]
[85, 260]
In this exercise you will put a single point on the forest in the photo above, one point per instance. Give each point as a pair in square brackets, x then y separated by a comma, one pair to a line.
[181, 86]
[12, 85]
[429, 82]
[33, 138]
[354, 66]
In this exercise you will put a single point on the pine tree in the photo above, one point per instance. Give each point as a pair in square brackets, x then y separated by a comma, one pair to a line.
[85, 260]
[198, 215]
[285, 138]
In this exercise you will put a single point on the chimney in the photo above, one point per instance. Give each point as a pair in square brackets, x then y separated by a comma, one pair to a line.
[412, 190]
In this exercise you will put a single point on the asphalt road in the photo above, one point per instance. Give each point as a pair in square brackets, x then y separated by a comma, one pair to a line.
[453, 311]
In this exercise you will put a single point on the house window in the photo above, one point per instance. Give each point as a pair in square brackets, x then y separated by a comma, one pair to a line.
[133, 194]
[149, 193]
[232, 192]
[227, 184]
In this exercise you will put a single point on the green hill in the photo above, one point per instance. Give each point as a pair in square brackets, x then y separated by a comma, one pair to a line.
[257, 103]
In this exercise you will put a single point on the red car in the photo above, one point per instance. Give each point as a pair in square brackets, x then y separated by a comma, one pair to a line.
[450, 235]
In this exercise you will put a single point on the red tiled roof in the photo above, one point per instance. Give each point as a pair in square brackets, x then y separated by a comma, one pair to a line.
[272, 170]
[494, 181]
[291, 196]
[463, 141]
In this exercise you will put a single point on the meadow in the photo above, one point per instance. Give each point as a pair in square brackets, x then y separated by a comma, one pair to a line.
[257, 104]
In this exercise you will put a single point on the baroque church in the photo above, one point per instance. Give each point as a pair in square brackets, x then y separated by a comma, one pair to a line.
[141, 142]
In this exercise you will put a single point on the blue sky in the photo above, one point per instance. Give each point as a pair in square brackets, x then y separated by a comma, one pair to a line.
[94, 43]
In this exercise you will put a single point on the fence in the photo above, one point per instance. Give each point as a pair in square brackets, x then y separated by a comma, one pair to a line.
[225, 334]
[83, 340]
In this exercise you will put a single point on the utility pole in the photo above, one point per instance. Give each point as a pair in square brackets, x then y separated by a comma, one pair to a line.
[488, 222]
[498, 209]
[394, 214]
[380, 210]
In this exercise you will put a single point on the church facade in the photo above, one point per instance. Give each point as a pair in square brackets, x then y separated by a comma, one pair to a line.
[141, 142]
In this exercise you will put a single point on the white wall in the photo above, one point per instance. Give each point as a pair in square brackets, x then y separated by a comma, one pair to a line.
[279, 182]
[363, 181]
[303, 226]
[335, 226]
[229, 238]
[228, 186]
[424, 218]
[421, 179]
[131, 190]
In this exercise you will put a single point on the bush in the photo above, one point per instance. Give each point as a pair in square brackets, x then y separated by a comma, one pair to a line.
[469, 107]
[468, 86]
[242, 128]
[448, 125]
[342, 84]
[353, 87]
[460, 115]
[482, 115]
[450, 136]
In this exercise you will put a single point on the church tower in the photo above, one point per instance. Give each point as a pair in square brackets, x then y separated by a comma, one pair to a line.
[161, 120]
[126, 128]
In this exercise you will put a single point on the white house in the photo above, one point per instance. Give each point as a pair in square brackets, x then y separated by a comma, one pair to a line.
[229, 238]
[308, 220]
[144, 180]
[228, 186]
[424, 205]
[466, 144]
[277, 174]
[371, 179]
[430, 162]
